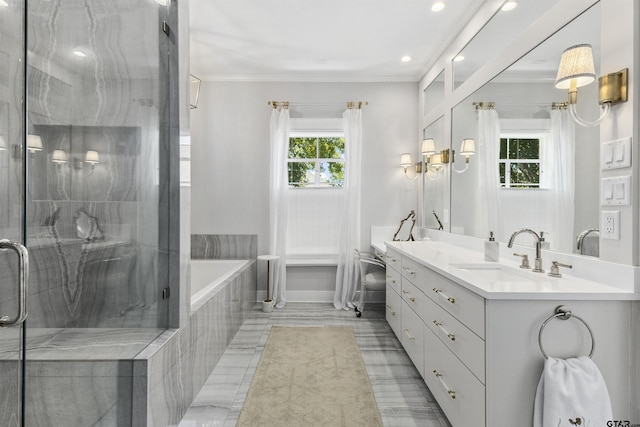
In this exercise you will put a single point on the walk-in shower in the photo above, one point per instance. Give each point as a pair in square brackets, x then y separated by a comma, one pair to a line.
[85, 91]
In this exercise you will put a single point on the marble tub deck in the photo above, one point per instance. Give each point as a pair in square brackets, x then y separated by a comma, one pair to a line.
[402, 396]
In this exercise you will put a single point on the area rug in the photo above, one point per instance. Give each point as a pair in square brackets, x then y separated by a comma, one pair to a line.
[310, 376]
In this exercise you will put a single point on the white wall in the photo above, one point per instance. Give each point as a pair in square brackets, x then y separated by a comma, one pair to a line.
[230, 157]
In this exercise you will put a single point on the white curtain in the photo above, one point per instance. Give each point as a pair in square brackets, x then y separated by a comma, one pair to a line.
[489, 175]
[346, 275]
[561, 181]
[278, 192]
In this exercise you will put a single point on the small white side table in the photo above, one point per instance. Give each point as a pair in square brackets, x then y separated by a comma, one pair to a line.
[268, 303]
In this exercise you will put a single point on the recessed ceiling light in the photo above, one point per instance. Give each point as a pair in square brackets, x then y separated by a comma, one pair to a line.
[162, 2]
[406, 58]
[79, 53]
[437, 6]
[510, 5]
[458, 58]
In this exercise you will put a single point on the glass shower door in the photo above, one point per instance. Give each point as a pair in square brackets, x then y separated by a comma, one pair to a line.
[12, 202]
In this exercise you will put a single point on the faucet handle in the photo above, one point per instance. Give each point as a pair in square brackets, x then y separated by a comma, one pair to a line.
[525, 260]
[555, 271]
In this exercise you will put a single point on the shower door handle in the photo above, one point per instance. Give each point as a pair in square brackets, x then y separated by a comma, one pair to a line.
[23, 282]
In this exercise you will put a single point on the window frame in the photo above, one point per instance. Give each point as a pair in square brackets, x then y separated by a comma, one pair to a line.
[542, 137]
[318, 134]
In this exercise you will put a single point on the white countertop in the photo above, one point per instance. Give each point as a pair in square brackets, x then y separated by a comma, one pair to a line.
[504, 280]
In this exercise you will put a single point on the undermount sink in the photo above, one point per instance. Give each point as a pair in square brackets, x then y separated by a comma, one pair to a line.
[495, 272]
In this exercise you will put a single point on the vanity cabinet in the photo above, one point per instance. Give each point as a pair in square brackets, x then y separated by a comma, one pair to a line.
[479, 355]
[393, 289]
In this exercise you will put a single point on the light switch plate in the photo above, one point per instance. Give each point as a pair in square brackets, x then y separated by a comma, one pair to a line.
[616, 191]
[616, 154]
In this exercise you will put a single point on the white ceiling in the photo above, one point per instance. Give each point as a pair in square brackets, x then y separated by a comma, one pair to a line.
[320, 40]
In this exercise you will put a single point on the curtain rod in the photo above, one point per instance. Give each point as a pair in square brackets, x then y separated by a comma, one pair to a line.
[287, 104]
[490, 105]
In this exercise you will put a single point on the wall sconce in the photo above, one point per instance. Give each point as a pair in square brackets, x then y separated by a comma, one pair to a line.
[59, 157]
[577, 69]
[405, 161]
[467, 149]
[435, 162]
[34, 143]
[92, 158]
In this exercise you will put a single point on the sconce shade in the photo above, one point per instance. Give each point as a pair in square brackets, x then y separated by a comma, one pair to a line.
[34, 143]
[428, 147]
[468, 147]
[436, 161]
[576, 63]
[3, 143]
[92, 157]
[405, 160]
[59, 156]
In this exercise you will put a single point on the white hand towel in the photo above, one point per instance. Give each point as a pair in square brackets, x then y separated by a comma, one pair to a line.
[571, 389]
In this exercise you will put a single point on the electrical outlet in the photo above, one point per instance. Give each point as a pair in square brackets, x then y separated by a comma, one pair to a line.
[610, 225]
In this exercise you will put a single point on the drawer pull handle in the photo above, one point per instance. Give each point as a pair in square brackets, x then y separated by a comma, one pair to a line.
[438, 375]
[388, 306]
[405, 292]
[407, 269]
[393, 313]
[448, 298]
[406, 332]
[412, 299]
[391, 258]
[451, 336]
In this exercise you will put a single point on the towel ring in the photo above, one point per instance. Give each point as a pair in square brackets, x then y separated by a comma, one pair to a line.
[563, 312]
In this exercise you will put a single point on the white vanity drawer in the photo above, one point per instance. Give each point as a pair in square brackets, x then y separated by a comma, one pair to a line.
[414, 298]
[393, 259]
[459, 393]
[393, 279]
[464, 305]
[393, 313]
[458, 338]
[413, 271]
[413, 337]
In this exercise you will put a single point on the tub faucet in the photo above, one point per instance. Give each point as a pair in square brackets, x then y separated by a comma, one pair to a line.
[537, 264]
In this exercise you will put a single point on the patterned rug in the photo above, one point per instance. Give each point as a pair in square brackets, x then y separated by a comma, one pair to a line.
[310, 376]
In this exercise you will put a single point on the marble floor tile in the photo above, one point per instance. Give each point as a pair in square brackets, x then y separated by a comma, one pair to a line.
[402, 396]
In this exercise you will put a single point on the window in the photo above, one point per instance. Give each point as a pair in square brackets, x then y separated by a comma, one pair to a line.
[316, 160]
[520, 161]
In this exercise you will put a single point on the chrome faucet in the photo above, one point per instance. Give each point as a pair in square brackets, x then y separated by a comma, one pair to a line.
[537, 264]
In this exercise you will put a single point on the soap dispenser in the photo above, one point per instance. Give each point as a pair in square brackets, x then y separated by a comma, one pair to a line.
[491, 249]
[543, 243]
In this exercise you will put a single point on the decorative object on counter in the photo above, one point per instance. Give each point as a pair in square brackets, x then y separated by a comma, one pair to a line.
[577, 69]
[570, 389]
[543, 242]
[268, 303]
[405, 229]
[491, 249]
[87, 227]
[440, 227]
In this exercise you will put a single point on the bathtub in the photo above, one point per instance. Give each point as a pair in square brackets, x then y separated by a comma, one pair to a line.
[208, 274]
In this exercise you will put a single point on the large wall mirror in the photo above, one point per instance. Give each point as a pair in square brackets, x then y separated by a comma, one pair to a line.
[434, 93]
[494, 36]
[434, 178]
[544, 173]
